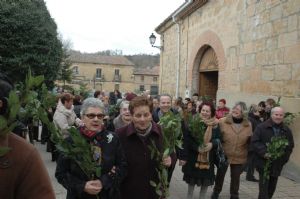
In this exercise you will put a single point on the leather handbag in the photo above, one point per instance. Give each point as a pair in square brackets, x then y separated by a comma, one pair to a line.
[220, 159]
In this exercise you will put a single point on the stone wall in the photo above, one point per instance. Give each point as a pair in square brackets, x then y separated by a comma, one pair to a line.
[149, 80]
[261, 41]
[258, 48]
[88, 71]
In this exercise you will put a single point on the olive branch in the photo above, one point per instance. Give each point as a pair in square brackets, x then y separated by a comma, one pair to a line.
[171, 138]
[275, 149]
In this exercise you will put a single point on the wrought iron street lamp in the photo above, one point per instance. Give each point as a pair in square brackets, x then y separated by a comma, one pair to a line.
[152, 40]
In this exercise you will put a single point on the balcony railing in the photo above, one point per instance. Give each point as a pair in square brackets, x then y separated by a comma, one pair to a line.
[117, 78]
[100, 78]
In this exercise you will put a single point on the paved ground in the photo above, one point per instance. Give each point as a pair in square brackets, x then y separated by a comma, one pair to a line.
[248, 190]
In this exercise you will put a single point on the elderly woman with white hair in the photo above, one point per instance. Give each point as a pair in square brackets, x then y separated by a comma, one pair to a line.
[236, 132]
[107, 153]
[124, 118]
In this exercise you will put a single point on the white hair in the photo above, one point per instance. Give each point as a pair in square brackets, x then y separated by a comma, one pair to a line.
[275, 109]
[91, 102]
[124, 103]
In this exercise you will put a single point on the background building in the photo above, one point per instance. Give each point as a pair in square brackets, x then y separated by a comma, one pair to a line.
[100, 72]
[146, 79]
[245, 50]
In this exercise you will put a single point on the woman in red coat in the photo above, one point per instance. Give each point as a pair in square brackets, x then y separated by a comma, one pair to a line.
[222, 110]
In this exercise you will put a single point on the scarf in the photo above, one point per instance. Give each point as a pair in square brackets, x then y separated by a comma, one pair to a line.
[203, 157]
[144, 134]
[94, 139]
[86, 133]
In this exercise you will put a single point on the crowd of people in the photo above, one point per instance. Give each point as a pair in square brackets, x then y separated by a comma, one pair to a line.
[120, 131]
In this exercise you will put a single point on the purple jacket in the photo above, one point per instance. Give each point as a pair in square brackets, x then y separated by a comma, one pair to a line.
[141, 168]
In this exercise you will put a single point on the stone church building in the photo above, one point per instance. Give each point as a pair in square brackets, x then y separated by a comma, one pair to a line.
[240, 50]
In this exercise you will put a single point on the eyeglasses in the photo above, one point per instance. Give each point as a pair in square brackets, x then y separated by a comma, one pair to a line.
[92, 115]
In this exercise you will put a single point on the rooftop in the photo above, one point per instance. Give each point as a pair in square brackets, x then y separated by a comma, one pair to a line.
[78, 57]
[147, 71]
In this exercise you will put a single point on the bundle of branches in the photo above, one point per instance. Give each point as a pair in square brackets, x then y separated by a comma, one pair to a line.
[17, 97]
[171, 138]
[113, 110]
[8, 120]
[197, 128]
[79, 150]
[275, 149]
[34, 105]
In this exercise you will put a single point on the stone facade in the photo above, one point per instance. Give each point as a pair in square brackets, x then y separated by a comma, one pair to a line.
[147, 79]
[108, 80]
[257, 44]
[105, 73]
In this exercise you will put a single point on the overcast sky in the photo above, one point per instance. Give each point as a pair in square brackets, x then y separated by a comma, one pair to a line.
[96, 25]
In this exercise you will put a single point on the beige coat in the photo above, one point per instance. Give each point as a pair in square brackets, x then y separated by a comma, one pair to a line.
[236, 140]
[65, 118]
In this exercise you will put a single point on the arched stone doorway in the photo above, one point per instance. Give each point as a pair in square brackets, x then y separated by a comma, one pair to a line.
[208, 73]
[207, 61]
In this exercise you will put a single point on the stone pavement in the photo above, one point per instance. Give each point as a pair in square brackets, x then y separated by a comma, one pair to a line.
[248, 190]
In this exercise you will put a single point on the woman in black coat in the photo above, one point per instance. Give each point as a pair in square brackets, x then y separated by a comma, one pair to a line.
[254, 118]
[107, 153]
[201, 173]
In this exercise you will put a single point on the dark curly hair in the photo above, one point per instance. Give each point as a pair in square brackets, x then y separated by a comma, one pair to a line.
[211, 105]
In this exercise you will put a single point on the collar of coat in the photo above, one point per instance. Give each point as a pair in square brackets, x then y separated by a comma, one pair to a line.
[155, 128]
[229, 120]
[269, 123]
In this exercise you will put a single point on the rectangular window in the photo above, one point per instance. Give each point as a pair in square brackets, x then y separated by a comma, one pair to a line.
[142, 87]
[98, 72]
[117, 71]
[154, 90]
[154, 79]
[142, 78]
[75, 70]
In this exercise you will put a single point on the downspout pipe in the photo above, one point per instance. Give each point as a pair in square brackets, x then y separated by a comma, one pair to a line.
[174, 18]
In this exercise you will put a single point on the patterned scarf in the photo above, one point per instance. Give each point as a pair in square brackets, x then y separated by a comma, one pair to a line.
[203, 158]
[94, 141]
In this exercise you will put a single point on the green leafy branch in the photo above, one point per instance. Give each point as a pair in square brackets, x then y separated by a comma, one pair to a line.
[171, 138]
[79, 150]
[197, 128]
[15, 100]
[288, 116]
[114, 109]
[275, 149]
[161, 187]
[35, 99]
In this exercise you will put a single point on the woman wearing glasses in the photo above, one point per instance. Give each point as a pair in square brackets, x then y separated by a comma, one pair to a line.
[107, 153]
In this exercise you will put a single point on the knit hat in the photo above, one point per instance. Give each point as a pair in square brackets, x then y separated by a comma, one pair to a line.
[130, 96]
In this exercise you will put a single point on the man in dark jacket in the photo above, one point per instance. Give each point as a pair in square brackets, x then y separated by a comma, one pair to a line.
[165, 103]
[262, 135]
